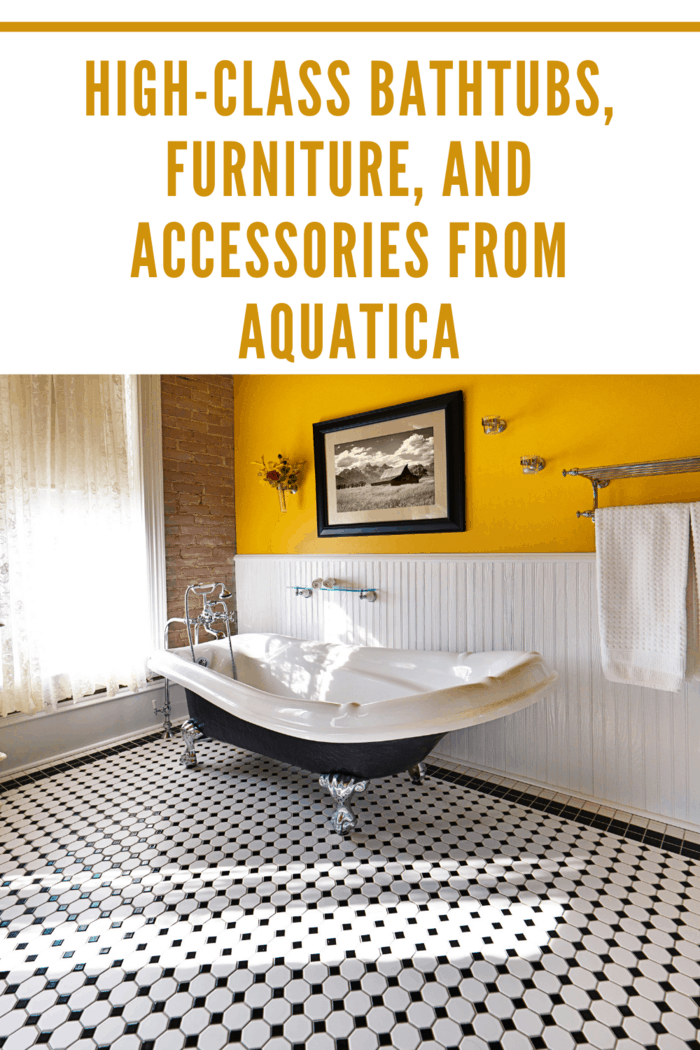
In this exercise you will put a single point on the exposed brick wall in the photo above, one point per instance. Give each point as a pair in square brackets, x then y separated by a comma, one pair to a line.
[200, 536]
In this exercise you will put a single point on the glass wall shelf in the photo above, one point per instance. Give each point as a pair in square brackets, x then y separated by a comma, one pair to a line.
[301, 591]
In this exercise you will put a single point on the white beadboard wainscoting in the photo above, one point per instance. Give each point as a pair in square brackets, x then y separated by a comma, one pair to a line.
[637, 749]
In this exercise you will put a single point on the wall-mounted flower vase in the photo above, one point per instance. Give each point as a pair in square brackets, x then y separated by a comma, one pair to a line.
[281, 474]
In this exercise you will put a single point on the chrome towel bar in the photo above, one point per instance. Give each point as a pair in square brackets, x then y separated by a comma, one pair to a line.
[600, 477]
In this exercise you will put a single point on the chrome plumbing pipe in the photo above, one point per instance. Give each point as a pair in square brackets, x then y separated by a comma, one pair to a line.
[165, 710]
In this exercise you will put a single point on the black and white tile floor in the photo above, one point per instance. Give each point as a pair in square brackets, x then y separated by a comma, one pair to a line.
[149, 907]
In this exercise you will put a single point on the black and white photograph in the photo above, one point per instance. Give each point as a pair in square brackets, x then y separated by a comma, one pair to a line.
[392, 470]
[396, 470]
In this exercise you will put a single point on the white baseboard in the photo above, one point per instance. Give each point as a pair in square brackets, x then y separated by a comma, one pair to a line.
[464, 766]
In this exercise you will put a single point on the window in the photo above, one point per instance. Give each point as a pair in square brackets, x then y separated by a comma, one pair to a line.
[81, 548]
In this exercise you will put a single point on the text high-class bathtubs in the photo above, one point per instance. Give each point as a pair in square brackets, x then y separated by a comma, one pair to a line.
[348, 712]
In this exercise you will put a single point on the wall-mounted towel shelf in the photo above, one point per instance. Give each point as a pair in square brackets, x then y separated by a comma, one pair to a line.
[600, 477]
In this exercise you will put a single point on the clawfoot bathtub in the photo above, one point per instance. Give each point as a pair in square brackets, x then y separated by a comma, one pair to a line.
[349, 713]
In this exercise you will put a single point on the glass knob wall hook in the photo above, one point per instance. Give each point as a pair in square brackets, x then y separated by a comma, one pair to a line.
[493, 424]
[532, 464]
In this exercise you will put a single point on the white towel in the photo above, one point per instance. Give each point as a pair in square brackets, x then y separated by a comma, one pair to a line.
[642, 563]
[693, 666]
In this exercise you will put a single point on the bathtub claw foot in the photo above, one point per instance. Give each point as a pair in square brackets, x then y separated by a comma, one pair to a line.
[417, 773]
[342, 788]
[190, 734]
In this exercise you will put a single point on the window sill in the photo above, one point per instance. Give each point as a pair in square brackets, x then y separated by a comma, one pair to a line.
[65, 706]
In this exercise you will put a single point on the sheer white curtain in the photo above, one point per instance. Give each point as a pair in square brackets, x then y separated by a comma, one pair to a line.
[73, 559]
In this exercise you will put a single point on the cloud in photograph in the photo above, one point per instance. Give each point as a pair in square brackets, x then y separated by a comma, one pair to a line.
[389, 451]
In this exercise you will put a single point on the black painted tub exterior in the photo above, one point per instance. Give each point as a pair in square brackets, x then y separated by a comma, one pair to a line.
[369, 759]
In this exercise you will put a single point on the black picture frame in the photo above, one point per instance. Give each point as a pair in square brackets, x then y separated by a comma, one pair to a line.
[443, 410]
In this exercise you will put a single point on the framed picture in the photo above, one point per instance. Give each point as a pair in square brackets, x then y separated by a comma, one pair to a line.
[395, 470]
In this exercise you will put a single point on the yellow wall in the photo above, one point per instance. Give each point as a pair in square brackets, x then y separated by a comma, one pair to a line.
[571, 421]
